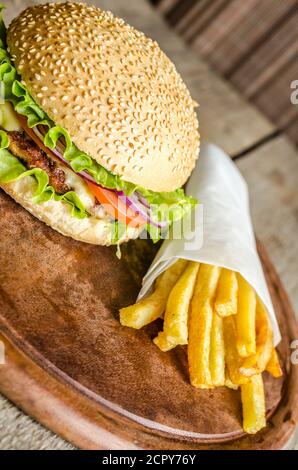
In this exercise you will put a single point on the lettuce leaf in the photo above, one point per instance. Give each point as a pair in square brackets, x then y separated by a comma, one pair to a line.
[118, 231]
[170, 206]
[11, 169]
[80, 161]
[166, 206]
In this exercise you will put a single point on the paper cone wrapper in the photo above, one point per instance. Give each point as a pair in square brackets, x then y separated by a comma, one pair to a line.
[223, 229]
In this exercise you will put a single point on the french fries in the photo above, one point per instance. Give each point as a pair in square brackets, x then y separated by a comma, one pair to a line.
[152, 307]
[245, 319]
[253, 405]
[226, 296]
[273, 366]
[175, 327]
[256, 363]
[200, 323]
[226, 326]
[229, 383]
[233, 360]
[217, 352]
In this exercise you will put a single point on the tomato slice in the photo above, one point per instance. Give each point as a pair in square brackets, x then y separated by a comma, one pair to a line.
[115, 207]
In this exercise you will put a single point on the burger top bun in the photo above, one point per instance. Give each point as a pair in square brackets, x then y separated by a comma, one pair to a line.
[116, 93]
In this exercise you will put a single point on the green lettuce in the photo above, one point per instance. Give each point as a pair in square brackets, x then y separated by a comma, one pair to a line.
[11, 169]
[80, 161]
[166, 206]
[118, 231]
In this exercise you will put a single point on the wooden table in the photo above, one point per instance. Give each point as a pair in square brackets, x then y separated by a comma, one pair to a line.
[266, 158]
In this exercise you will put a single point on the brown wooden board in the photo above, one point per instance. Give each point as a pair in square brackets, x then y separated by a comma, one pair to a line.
[72, 366]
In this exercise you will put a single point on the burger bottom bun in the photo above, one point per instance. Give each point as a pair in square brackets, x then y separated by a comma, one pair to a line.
[57, 214]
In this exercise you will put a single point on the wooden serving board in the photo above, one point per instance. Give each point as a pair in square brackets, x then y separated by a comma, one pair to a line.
[73, 367]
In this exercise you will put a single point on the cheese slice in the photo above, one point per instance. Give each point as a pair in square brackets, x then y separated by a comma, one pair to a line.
[8, 118]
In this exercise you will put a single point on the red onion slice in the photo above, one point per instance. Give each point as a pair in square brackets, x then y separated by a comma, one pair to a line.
[137, 206]
[142, 199]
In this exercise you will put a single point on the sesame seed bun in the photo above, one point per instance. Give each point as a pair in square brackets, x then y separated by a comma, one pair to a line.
[116, 93]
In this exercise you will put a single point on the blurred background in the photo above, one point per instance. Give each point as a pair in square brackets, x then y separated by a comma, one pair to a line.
[252, 43]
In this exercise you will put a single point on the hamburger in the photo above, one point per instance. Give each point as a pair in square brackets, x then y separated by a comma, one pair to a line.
[98, 130]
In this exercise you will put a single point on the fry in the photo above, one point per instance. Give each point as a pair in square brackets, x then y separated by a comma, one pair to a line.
[256, 363]
[233, 360]
[200, 323]
[152, 307]
[217, 352]
[253, 405]
[226, 296]
[175, 328]
[246, 319]
[229, 383]
[273, 366]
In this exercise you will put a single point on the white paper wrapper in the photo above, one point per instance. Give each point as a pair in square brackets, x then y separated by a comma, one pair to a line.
[225, 224]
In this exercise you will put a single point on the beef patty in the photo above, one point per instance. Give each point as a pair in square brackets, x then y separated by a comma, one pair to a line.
[21, 146]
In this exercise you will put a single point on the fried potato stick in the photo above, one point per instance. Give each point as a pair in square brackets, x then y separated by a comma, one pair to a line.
[253, 405]
[226, 295]
[256, 363]
[175, 328]
[229, 383]
[217, 352]
[273, 366]
[246, 318]
[233, 360]
[200, 324]
[152, 307]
